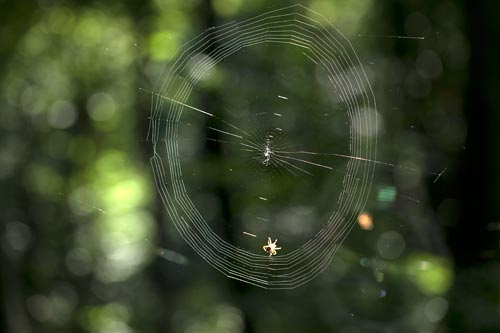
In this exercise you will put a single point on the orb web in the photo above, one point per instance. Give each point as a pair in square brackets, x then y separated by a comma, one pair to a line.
[298, 151]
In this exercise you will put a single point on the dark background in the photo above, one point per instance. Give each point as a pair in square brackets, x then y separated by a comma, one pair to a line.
[86, 245]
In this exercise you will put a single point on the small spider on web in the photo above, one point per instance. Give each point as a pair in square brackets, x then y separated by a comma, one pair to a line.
[271, 247]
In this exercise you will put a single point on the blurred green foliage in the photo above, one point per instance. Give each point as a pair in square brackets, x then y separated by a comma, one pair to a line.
[86, 245]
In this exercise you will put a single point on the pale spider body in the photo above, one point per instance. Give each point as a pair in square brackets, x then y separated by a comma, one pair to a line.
[267, 153]
[271, 247]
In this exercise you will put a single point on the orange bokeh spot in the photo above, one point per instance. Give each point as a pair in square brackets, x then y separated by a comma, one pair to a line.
[365, 221]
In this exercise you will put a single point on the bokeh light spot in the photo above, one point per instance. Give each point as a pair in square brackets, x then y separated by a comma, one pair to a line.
[62, 115]
[365, 221]
[40, 307]
[391, 245]
[432, 275]
[163, 45]
[227, 8]
[101, 106]
[429, 64]
[18, 235]
[435, 309]
[386, 194]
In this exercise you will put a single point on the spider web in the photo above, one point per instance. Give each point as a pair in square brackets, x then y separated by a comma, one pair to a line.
[266, 141]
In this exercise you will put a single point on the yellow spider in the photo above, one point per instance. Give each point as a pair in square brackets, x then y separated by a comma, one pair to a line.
[271, 247]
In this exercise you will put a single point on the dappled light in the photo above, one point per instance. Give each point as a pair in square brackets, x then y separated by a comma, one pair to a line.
[249, 166]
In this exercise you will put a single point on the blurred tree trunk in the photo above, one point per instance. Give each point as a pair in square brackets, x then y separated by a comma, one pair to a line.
[14, 317]
[479, 181]
[473, 242]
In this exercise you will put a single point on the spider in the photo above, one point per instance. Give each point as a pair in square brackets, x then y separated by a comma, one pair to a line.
[271, 247]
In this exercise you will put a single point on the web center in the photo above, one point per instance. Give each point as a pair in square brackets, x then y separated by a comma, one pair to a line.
[267, 151]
